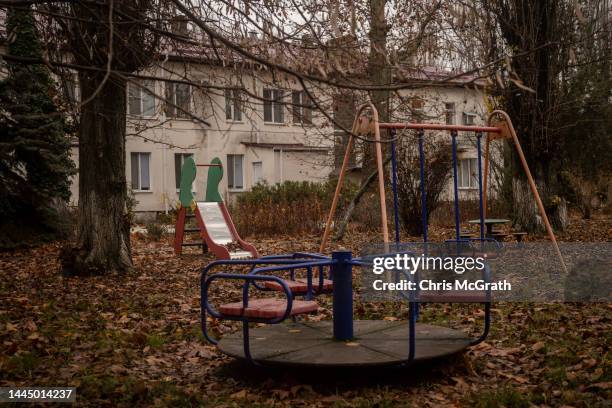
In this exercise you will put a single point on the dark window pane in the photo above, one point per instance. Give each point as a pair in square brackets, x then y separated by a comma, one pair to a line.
[183, 98]
[238, 171]
[295, 101]
[71, 86]
[230, 171]
[267, 105]
[135, 171]
[307, 109]
[134, 99]
[145, 180]
[237, 104]
[148, 100]
[178, 164]
[474, 170]
[170, 110]
[278, 106]
[228, 104]
[450, 113]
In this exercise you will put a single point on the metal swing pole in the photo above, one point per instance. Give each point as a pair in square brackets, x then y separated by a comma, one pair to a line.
[394, 186]
[422, 186]
[532, 184]
[455, 185]
[480, 198]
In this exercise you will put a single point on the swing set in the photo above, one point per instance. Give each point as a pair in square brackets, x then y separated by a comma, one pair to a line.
[344, 341]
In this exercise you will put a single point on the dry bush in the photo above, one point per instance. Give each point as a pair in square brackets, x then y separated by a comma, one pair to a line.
[437, 172]
[287, 208]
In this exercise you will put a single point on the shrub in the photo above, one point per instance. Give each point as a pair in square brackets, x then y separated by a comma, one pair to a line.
[155, 230]
[437, 173]
[287, 208]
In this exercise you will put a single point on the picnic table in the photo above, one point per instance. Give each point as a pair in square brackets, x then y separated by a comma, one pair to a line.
[489, 223]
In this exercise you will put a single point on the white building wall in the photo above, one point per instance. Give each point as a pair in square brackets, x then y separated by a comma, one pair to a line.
[271, 144]
[163, 138]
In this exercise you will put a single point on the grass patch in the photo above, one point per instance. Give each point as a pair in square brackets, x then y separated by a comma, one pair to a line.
[504, 397]
[155, 341]
[22, 365]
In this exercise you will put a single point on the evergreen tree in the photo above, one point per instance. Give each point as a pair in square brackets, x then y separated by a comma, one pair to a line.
[35, 162]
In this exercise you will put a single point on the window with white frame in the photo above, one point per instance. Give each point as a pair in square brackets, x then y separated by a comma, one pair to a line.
[257, 172]
[179, 96]
[469, 119]
[233, 104]
[179, 160]
[141, 101]
[301, 107]
[141, 171]
[467, 173]
[273, 105]
[235, 176]
[449, 113]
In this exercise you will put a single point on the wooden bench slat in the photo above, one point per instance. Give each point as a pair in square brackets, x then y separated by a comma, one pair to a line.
[300, 285]
[268, 308]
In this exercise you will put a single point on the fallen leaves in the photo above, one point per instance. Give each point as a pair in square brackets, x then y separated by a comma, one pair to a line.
[138, 336]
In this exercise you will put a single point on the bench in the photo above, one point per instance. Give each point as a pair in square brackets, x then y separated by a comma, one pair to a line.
[466, 234]
[498, 235]
[519, 236]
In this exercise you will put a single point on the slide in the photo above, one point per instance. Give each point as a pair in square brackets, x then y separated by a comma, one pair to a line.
[214, 222]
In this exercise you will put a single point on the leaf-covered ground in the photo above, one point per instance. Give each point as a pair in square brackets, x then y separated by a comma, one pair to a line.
[135, 341]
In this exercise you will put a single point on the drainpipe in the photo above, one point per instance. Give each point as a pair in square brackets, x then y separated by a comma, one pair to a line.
[164, 147]
[280, 161]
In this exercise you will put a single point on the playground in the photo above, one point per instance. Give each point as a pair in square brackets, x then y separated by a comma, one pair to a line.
[280, 321]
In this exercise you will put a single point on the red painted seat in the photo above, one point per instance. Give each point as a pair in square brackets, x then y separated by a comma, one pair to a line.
[300, 285]
[268, 308]
[453, 297]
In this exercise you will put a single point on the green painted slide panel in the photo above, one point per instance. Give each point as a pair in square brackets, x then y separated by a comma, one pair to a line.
[188, 175]
[215, 175]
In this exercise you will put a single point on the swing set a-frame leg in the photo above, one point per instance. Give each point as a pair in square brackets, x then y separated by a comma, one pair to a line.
[532, 184]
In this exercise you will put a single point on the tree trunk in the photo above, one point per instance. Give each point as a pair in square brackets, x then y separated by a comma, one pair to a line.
[378, 74]
[103, 232]
[355, 201]
[526, 213]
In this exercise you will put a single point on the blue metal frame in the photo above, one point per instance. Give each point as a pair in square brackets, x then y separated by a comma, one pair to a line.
[343, 295]
[340, 267]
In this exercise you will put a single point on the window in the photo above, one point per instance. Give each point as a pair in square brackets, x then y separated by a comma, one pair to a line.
[449, 113]
[273, 105]
[179, 95]
[234, 171]
[302, 107]
[467, 173]
[257, 172]
[179, 160]
[71, 88]
[233, 104]
[417, 106]
[469, 119]
[141, 177]
[141, 101]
